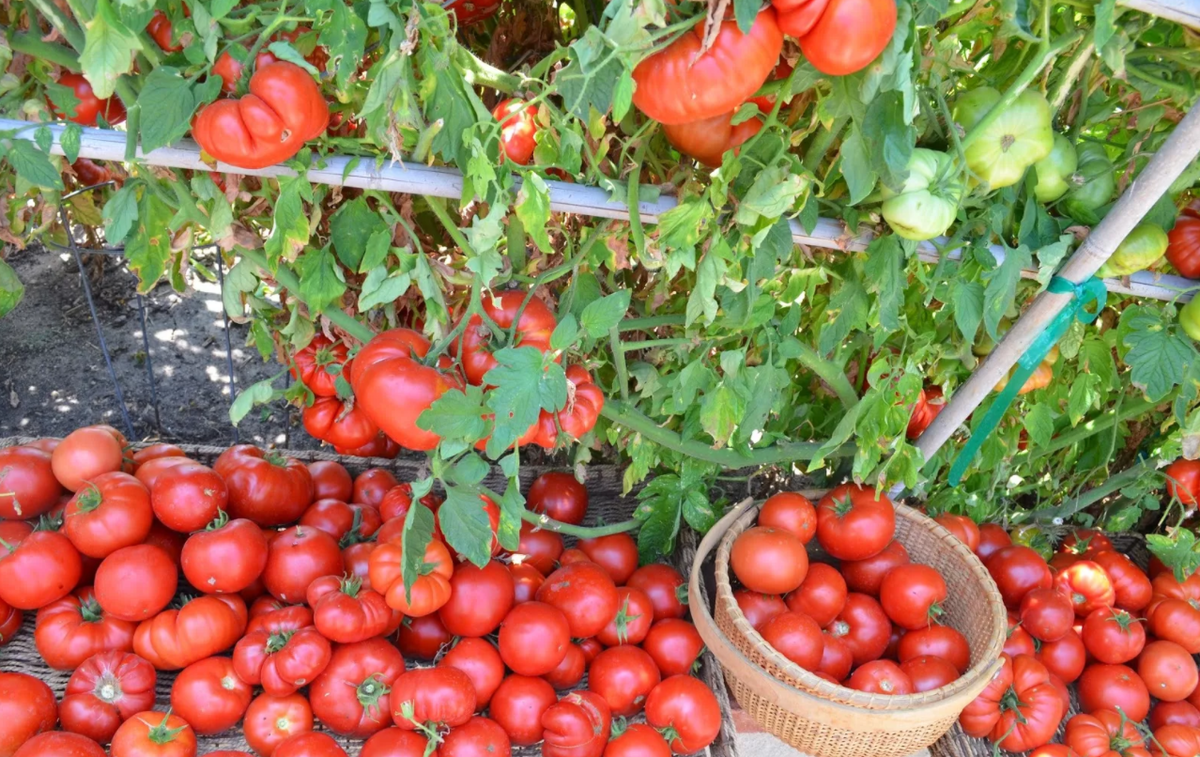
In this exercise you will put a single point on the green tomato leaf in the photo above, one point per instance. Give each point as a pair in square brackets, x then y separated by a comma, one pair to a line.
[1159, 359]
[290, 232]
[525, 383]
[11, 288]
[1001, 290]
[167, 105]
[148, 250]
[1039, 423]
[107, 51]
[33, 165]
[465, 524]
[351, 227]
[589, 81]
[512, 504]
[70, 141]
[533, 208]
[321, 280]
[1179, 551]
[418, 532]
[260, 393]
[720, 412]
[774, 192]
[847, 311]
[283, 50]
[967, 297]
[884, 275]
[857, 166]
[659, 511]
[565, 333]
[605, 313]
[382, 288]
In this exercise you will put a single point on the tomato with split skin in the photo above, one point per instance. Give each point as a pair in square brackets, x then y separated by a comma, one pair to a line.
[577, 725]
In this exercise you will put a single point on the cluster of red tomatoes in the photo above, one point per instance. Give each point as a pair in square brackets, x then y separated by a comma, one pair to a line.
[1093, 618]
[392, 384]
[321, 606]
[872, 622]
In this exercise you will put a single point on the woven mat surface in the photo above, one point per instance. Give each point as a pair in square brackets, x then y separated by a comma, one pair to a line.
[606, 505]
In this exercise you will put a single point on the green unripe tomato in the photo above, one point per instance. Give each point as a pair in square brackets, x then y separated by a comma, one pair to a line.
[1033, 537]
[1092, 184]
[1054, 171]
[1189, 318]
[1019, 137]
[927, 202]
[1144, 246]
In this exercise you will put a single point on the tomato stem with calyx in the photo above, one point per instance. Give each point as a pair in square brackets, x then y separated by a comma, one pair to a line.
[160, 734]
[90, 611]
[218, 522]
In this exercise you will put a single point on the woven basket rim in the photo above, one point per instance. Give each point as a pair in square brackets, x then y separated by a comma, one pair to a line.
[819, 688]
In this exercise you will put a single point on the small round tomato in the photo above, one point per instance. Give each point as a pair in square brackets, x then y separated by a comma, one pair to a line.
[264, 487]
[768, 560]
[1113, 636]
[480, 660]
[559, 496]
[632, 621]
[624, 677]
[396, 742]
[664, 586]
[674, 645]
[962, 527]
[478, 737]
[936, 641]
[1111, 687]
[518, 126]
[272, 720]
[372, 485]
[1168, 671]
[347, 524]
[27, 707]
[1183, 480]
[37, 568]
[84, 454]
[397, 501]
[432, 697]
[791, 512]
[1065, 657]
[330, 480]
[1087, 586]
[534, 638]
[864, 626]
[616, 553]
[149, 471]
[107, 513]
[28, 487]
[154, 733]
[105, 691]
[928, 673]
[226, 557]
[1047, 614]
[352, 695]
[797, 637]
[526, 582]
[1019, 642]
[585, 594]
[992, 538]
[1017, 571]
[759, 608]
[311, 744]
[570, 671]
[577, 724]
[146, 567]
[422, 638]
[685, 706]
[912, 595]
[638, 740]
[518, 705]
[209, 695]
[881, 677]
[297, 557]
[538, 548]
[866, 576]
[479, 599]
[853, 524]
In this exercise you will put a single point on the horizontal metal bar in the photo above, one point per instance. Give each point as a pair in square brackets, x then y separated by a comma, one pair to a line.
[565, 197]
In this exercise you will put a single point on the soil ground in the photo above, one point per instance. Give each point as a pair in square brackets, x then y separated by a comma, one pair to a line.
[53, 377]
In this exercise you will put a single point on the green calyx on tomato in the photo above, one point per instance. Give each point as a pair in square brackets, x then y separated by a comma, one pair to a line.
[371, 691]
[89, 499]
[1144, 246]
[927, 202]
[1189, 318]
[1019, 137]
[1055, 170]
[1092, 184]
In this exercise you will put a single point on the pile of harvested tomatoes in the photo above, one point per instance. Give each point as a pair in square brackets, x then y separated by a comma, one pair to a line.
[1088, 616]
[291, 610]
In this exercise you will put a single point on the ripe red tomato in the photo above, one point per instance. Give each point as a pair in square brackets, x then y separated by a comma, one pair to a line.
[852, 524]
[791, 512]
[680, 84]
[330, 480]
[539, 548]
[209, 695]
[1017, 571]
[585, 594]
[266, 488]
[149, 471]
[203, 627]
[320, 364]
[271, 720]
[429, 592]
[1174, 713]
[482, 664]
[478, 737]
[526, 582]
[84, 454]
[559, 496]
[866, 576]
[479, 599]
[1113, 636]
[396, 742]
[576, 726]
[962, 527]
[352, 695]
[632, 621]
[912, 595]
[638, 740]
[144, 566]
[686, 706]
[371, 487]
[311, 744]
[1087, 586]
[89, 107]
[1183, 480]
[1047, 614]
[930, 401]
[534, 638]
[1020, 709]
[297, 557]
[160, 31]
[28, 487]
[441, 696]
[226, 557]
[624, 676]
[57, 744]
[768, 560]
[281, 662]
[10, 622]
[936, 641]
[616, 553]
[188, 497]
[154, 733]
[74, 628]
[992, 538]
[345, 612]
[397, 500]
[1130, 584]
[836, 658]
[27, 707]
[1053, 750]
[287, 111]
[1103, 732]
[109, 512]
[1177, 620]
[1019, 642]
[339, 422]
[674, 645]
[759, 608]
[664, 586]
[1176, 741]
[422, 638]
[928, 673]
[831, 51]
[570, 671]
[1168, 671]
[381, 446]
[1065, 657]
[1111, 687]
[1183, 247]
[536, 324]
[881, 677]
[864, 626]
[797, 637]
[518, 705]
[518, 127]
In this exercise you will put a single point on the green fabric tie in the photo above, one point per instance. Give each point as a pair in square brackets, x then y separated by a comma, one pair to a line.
[1092, 290]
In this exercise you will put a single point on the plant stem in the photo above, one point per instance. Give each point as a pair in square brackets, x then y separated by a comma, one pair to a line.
[1092, 496]
[650, 322]
[1099, 424]
[482, 74]
[622, 414]
[287, 279]
[821, 142]
[583, 532]
[681, 341]
[614, 339]
[830, 373]
[1074, 68]
[439, 209]
[32, 44]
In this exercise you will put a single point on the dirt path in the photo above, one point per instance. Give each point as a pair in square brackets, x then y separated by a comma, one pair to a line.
[52, 373]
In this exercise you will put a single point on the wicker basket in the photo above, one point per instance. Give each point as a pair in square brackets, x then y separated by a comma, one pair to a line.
[821, 718]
